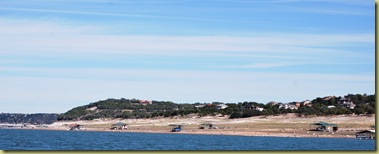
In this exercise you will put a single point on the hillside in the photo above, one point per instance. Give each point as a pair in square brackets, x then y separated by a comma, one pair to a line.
[137, 109]
[37, 119]
[126, 108]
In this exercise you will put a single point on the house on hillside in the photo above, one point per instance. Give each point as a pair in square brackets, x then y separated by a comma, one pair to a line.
[259, 108]
[200, 106]
[305, 103]
[252, 107]
[145, 102]
[292, 107]
[328, 98]
[272, 103]
[221, 106]
[285, 106]
[297, 104]
[248, 106]
[288, 106]
[208, 106]
[348, 105]
[343, 100]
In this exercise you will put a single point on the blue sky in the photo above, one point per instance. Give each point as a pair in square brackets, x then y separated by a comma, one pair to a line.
[59, 54]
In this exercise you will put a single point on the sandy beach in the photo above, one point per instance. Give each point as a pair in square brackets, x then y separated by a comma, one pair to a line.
[288, 125]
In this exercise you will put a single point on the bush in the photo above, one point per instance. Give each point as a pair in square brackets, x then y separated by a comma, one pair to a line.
[235, 115]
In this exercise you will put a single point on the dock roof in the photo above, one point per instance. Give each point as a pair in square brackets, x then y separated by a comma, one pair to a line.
[119, 124]
[367, 131]
[206, 123]
[324, 124]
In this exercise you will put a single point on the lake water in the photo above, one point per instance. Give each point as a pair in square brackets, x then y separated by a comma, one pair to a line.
[16, 139]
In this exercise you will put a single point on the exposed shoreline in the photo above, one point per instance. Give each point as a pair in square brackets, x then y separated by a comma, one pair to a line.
[272, 126]
[258, 134]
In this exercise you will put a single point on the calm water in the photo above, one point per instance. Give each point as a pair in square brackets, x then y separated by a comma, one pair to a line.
[13, 139]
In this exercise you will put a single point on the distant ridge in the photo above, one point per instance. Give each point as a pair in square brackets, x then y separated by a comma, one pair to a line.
[37, 118]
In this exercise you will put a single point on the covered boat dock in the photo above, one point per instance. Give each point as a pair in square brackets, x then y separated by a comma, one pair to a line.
[119, 125]
[366, 135]
[207, 125]
[176, 127]
[76, 127]
[324, 126]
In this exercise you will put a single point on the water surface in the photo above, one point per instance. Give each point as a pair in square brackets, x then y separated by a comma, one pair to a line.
[18, 139]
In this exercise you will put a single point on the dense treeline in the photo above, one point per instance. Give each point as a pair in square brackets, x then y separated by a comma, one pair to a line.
[133, 108]
[17, 118]
[127, 108]
[365, 104]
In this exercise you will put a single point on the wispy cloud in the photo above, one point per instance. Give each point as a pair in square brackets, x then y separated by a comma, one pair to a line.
[90, 38]
[140, 15]
[154, 75]
[26, 27]
[263, 65]
[296, 1]
[19, 37]
[331, 11]
[361, 8]
[283, 63]
[176, 46]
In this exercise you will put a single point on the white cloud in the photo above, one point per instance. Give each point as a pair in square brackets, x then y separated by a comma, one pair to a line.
[264, 65]
[42, 26]
[25, 36]
[138, 14]
[351, 2]
[362, 12]
[172, 75]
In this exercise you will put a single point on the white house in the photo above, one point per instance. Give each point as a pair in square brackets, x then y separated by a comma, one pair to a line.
[221, 106]
[331, 106]
[288, 106]
[285, 106]
[272, 103]
[292, 107]
[306, 102]
[145, 102]
[258, 108]
[199, 106]
[349, 105]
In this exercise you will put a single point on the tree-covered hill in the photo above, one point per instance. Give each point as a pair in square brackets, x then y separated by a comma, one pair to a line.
[364, 104]
[38, 118]
[134, 108]
[126, 108]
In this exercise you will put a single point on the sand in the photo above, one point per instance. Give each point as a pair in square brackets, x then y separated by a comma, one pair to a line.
[288, 125]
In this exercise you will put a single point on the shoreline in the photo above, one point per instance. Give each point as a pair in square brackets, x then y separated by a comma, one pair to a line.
[186, 132]
[272, 126]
